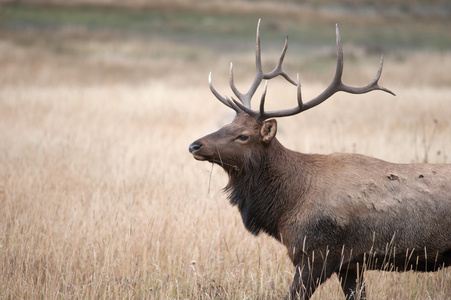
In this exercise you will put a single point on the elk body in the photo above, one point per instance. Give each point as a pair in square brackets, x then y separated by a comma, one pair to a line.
[337, 213]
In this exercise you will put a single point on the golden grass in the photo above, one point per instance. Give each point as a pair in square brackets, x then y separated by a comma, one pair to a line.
[99, 197]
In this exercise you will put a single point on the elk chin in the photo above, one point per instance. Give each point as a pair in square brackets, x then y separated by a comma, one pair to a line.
[200, 157]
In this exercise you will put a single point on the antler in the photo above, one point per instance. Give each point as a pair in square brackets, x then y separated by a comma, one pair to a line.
[336, 85]
[246, 98]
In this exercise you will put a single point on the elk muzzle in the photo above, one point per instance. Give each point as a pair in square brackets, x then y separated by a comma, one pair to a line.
[197, 150]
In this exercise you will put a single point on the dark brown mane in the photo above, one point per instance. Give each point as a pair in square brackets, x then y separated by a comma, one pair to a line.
[258, 190]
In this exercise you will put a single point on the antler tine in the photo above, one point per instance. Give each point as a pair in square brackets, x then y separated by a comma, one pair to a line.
[242, 97]
[373, 85]
[378, 76]
[278, 69]
[300, 103]
[246, 98]
[337, 84]
[258, 68]
[225, 101]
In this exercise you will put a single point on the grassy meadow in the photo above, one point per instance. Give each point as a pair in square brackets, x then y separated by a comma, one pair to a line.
[99, 197]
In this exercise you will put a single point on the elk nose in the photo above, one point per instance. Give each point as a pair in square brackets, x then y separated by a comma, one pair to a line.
[195, 146]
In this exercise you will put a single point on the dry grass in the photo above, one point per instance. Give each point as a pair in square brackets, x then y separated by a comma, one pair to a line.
[99, 197]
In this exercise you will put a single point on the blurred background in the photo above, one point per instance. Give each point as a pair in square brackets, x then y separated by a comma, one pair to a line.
[99, 42]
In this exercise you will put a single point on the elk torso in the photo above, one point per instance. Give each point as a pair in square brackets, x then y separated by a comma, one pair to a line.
[312, 201]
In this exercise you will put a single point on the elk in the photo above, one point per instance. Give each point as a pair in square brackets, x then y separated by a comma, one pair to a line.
[338, 213]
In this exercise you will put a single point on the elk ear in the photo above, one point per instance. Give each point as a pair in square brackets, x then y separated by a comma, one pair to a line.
[268, 130]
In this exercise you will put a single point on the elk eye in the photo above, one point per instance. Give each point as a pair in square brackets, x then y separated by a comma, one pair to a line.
[242, 137]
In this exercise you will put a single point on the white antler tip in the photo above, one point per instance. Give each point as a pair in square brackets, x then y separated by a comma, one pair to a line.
[258, 33]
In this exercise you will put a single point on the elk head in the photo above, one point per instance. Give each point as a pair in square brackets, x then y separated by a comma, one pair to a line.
[236, 143]
[252, 131]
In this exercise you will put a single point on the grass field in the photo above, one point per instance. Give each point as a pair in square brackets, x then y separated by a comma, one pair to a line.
[99, 197]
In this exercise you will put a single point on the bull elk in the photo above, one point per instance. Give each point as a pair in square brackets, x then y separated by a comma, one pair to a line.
[337, 213]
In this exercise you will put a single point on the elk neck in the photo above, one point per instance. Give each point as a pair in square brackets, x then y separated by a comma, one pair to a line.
[264, 191]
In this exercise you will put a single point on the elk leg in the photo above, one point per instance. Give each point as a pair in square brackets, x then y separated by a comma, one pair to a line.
[296, 286]
[306, 281]
[349, 279]
[447, 258]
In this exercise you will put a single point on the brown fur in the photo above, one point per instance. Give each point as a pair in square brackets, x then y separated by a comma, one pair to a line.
[334, 212]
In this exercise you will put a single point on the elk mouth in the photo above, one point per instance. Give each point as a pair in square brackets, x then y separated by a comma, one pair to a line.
[201, 157]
